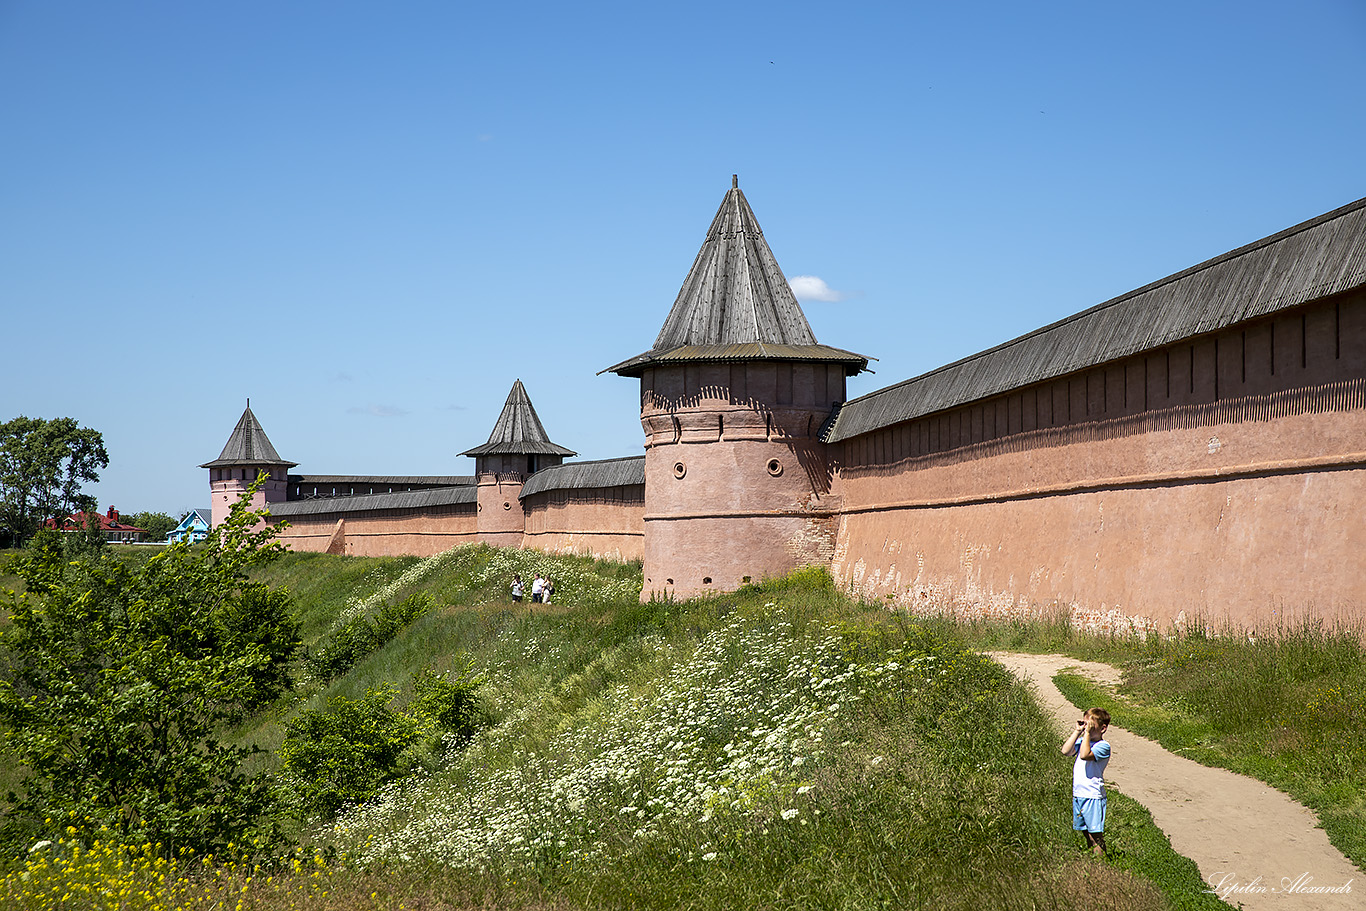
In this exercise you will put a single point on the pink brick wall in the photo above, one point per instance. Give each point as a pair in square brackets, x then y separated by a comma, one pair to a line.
[501, 519]
[387, 533]
[1219, 480]
[607, 523]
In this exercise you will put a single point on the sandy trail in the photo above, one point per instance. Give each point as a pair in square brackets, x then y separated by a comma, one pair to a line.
[1256, 844]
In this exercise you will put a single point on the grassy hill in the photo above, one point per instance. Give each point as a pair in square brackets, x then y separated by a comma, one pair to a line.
[782, 746]
[779, 747]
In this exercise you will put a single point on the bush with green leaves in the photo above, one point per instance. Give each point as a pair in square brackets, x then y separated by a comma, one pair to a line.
[344, 754]
[119, 679]
[447, 705]
[363, 635]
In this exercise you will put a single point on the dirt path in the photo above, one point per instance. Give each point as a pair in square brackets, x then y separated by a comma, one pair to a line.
[1248, 839]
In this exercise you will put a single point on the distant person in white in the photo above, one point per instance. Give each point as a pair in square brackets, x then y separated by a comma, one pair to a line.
[537, 589]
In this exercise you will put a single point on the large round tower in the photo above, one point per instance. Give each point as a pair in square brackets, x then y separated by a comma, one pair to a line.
[248, 453]
[517, 448]
[734, 394]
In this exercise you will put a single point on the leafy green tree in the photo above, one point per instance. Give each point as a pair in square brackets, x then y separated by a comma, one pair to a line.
[118, 683]
[157, 524]
[42, 467]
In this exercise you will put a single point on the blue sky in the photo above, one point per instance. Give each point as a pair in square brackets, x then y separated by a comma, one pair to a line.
[373, 218]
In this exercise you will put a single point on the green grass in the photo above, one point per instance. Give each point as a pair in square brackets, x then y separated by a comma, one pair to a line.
[1285, 707]
[8, 580]
[1317, 760]
[778, 747]
[322, 585]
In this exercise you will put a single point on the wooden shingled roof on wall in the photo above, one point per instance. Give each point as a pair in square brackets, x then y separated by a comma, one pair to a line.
[408, 499]
[1322, 256]
[627, 472]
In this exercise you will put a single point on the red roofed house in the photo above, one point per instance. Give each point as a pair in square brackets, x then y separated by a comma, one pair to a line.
[111, 528]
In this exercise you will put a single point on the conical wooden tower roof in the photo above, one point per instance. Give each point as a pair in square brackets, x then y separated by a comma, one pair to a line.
[519, 430]
[736, 303]
[248, 445]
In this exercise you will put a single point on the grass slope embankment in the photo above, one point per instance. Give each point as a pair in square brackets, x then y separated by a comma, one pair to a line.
[781, 746]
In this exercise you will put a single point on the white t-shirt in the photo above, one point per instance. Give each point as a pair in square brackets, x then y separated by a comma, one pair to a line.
[537, 586]
[1088, 775]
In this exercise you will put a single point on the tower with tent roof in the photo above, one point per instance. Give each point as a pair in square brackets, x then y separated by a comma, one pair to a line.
[734, 393]
[517, 448]
[247, 453]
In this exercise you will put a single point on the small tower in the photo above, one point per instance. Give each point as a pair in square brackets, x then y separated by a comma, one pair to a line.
[517, 448]
[247, 453]
[732, 399]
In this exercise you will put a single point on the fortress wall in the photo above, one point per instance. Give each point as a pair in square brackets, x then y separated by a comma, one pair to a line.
[737, 483]
[384, 532]
[1218, 479]
[608, 523]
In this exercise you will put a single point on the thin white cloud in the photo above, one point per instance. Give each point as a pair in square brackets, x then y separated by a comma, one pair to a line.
[814, 288]
[378, 411]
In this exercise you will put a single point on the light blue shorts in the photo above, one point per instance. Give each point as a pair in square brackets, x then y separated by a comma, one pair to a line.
[1088, 814]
